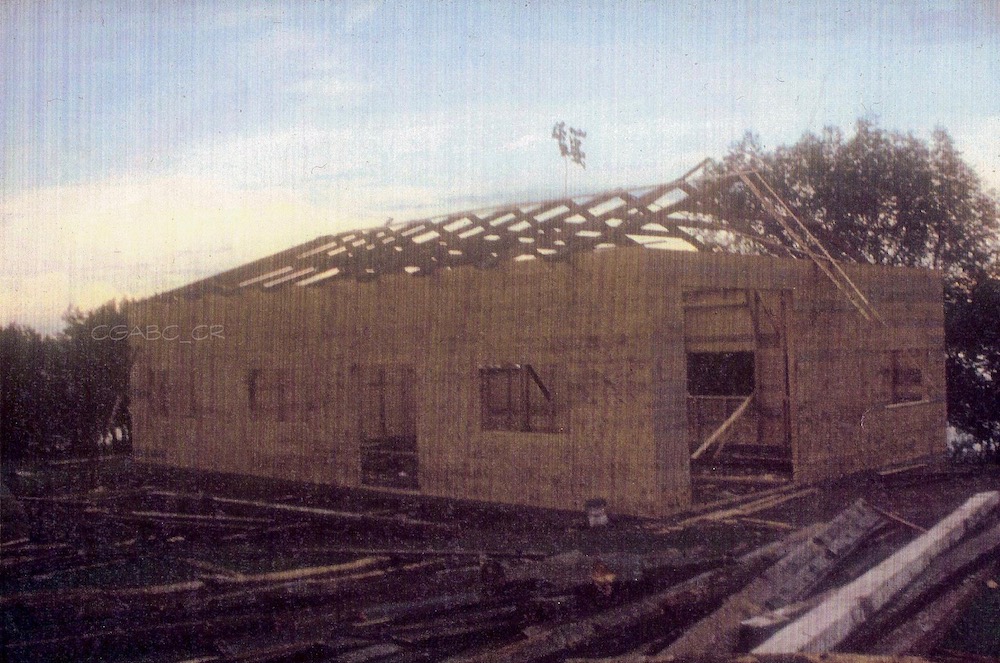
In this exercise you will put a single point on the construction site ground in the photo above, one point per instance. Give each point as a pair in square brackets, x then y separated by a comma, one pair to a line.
[103, 572]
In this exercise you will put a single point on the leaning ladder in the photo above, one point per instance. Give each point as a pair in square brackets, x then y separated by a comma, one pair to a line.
[808, 243]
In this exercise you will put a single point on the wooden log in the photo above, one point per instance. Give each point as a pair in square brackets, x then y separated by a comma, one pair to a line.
[831, 622]
[681, 603]
[790, 579]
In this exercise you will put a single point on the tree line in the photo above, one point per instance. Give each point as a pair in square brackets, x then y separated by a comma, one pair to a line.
[64, 395]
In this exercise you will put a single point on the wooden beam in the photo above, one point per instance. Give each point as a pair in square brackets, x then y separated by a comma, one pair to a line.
[789, 580]
[924, 630]
[941, 575]
[831, 622]
[721, 430]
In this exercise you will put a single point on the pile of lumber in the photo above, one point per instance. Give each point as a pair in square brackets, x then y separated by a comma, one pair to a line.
[177, 584]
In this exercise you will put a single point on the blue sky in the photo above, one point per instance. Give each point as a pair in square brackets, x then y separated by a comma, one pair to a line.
[149, 144]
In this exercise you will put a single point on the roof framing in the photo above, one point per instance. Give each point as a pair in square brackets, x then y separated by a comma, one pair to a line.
[677, 215]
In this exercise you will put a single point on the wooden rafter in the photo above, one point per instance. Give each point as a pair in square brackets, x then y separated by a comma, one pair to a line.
[653, 216]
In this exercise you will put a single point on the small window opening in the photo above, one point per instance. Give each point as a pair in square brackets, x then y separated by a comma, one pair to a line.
[516, 398]
[253, 379]
[162, 394]
[194, 406]
[720, 373]
[907, 379]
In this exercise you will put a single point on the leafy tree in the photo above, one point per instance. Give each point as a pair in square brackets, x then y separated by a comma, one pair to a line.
[890, 198]
[60, 394]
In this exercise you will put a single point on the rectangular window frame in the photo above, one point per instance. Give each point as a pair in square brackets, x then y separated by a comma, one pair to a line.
[527, 404]
[906, 377]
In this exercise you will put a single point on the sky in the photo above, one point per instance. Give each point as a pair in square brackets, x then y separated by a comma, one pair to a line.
[148, 144]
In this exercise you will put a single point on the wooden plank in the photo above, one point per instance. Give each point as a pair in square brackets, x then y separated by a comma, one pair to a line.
[723, 429]
[831, 622]
[789, 580]
[921, 633]
[760, 658]
[312, 511]
[940, 575]
[750, 508]
[303, 573]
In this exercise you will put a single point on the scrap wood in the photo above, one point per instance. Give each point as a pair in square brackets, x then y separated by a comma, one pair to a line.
[902, 521]
[61, 597]
[214, 569]
[370, 653]
[903, 468]
[427, 552]
[68, 646]
[14, 542]
[376, 617]
[939, 574]
[256, 533]
[773, 524]
[921, 633]
[696, 509]
[751, 508]
[477, 629]
[310, 649]
[575, 568]
[311, 511]
[790, 579]
[160, 515]
[471, 618]
[317, 587]
[680, 604]
[311, 572]
[759, 658]
[831, 622]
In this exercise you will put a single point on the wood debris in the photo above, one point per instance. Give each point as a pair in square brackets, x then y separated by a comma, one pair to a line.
[321, 589]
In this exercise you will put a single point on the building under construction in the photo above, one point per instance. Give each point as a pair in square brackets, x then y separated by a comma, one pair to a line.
[631, 346]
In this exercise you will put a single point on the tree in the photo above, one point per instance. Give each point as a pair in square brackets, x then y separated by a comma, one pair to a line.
[891, 198]
[60, 395]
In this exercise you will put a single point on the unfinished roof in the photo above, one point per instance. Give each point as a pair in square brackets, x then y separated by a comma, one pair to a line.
[664, 216]
[678, 215]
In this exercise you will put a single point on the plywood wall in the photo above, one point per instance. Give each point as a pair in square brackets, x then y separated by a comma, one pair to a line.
[587, 326]
[609, 324]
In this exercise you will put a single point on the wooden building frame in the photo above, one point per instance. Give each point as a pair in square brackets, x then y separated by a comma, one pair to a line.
[545, 354]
